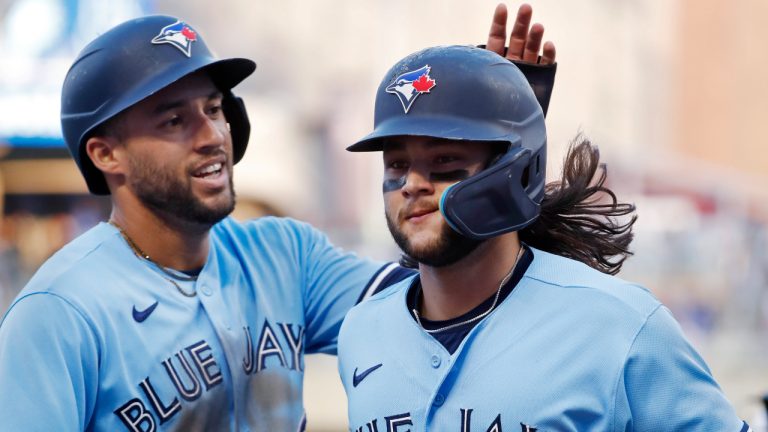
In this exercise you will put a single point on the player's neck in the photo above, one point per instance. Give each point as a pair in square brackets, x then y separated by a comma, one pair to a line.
[451, 291]
[169, 244]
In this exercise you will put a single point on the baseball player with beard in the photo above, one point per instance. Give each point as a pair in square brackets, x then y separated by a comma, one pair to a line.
[514, 321]
[171, 315]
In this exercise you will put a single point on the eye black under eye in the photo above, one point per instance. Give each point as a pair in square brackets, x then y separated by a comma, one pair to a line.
[391, 185]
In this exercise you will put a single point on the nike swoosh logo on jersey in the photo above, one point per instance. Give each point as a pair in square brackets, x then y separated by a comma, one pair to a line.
[356, 379]
[140, 316]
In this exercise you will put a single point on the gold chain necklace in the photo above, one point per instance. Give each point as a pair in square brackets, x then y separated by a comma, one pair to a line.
[475, 318]
[170, 275]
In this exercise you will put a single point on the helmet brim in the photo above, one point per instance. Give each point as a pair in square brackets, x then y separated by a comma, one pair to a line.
[445, 127]
[228, 73]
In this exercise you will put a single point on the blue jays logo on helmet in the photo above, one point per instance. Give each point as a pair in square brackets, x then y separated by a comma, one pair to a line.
[408, 86]
[179, 35]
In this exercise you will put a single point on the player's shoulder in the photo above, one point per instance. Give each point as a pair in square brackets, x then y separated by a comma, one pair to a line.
[262, 223]
[391, 297]
[588, 284]
[75, 273]
[75, 261]
[265, 228]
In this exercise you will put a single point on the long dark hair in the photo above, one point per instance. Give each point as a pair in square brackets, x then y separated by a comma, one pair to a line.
[580, 217]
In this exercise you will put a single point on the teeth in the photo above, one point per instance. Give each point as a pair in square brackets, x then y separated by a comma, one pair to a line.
[210, 169]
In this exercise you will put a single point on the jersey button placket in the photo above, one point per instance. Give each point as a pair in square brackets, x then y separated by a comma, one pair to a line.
[435, 361]
[208, 292]
[439, 400]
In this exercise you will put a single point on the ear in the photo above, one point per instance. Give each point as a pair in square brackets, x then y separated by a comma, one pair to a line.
[105, 153]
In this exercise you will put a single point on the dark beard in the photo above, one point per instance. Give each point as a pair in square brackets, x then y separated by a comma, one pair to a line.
[160, 191]
[449, 248]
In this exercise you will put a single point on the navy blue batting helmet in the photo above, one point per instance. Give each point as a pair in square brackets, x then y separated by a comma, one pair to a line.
[470, 94]
[131, 62]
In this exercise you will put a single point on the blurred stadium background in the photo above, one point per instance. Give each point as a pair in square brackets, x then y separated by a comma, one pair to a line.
[672, 91]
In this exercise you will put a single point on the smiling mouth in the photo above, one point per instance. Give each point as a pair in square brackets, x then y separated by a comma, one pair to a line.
[419, 213]
[209, 171]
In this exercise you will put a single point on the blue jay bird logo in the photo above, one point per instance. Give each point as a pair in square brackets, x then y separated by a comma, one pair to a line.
[408, 86]
[179, 35]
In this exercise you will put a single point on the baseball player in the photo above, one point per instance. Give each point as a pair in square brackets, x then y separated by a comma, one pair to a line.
[171, 316]
[514, 321]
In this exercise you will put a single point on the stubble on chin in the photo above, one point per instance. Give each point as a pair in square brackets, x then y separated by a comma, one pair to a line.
[446, 248]
[172, 198]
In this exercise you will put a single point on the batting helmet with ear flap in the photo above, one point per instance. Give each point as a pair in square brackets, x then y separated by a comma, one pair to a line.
[133, 61]
[470, 94]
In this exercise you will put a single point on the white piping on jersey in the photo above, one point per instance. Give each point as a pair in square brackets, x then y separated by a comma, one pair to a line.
[379, 278]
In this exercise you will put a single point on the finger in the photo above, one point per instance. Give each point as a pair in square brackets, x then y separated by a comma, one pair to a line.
[533, 45]
[519, 32]
[549, 53]
[498, 33]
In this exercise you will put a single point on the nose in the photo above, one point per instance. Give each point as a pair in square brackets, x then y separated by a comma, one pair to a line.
[211, 133]
[417, 183]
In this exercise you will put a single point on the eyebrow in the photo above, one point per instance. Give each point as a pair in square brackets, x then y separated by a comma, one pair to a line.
[168, 106]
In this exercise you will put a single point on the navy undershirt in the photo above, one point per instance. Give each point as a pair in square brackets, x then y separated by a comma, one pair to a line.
[191, 273]
[451, 338]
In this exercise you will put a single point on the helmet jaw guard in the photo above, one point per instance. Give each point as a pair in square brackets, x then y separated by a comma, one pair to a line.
[239, 125]
[131, 62]
[502, 198]
[477, 96]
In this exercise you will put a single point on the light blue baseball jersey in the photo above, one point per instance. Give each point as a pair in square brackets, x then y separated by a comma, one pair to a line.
[570, 349]
[100, 339]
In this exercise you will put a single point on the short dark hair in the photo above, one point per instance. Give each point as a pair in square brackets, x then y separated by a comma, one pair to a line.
[112, 127]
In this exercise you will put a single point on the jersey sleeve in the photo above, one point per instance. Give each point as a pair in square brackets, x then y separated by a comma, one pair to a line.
[668, 386]
[48, 366]
[333, 282]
